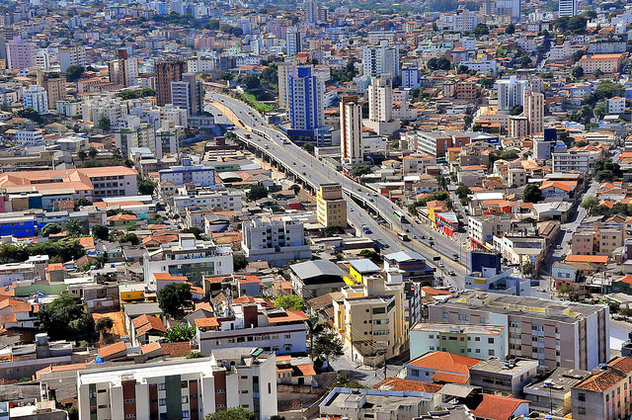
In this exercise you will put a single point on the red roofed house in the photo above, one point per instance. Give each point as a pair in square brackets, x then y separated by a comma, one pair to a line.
[440, 367]
[146, 327]
[499, 407]
[606, 394]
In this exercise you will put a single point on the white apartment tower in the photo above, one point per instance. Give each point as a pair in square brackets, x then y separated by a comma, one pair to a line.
[294, 41]
[511, 92]
[380, 94]
[567, 8]
[36, 97]
[351, 130]
[381, 60]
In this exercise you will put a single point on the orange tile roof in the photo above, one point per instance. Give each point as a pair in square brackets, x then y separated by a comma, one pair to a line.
[149, 347]
[60, 368]
[453, 378]
[87, 242]
[625, 279]
[399, 384]
[168, 276]
[118, 326]
[290, 316]
[566, 186]
[112, 349]
[605, 379]
[206, 322]
[441, 360]
[497, 407]
[55, 267]
[122, 217]
[307, 369]
[597, 259]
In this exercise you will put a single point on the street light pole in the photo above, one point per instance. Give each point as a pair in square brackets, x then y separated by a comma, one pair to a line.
[549, 385]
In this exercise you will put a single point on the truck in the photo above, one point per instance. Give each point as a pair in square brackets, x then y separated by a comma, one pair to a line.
[247, 135]
[403, 236]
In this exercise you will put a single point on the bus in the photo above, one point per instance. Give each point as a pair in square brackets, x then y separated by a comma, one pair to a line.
[398, 215]
[403, 236]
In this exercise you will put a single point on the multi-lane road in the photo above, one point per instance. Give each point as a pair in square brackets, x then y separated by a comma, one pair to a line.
[253, 129]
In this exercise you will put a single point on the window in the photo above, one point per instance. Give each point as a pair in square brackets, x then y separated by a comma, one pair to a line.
[185, 399]
[185, 414]
[162, 386]
[478, 351]
[477, 339]
[490, 352]
[490, 340]
[162, 401]
[379, 310]
[288, 336]
[414, 372]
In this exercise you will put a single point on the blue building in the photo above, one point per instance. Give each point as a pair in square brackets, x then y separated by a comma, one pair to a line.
[306, 105]
[18, 226]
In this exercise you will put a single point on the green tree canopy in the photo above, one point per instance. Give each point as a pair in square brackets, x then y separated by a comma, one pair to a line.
[100, 232]
[179, 333]
[256, 192]
[309, 147]
[73, 73]
[174, 297]
[531, 194]
[289, 302]
[360, 169]
[145, 186]
[235, 413]
[74, 227]
[65, 319]
[577, 72]
[51, 229]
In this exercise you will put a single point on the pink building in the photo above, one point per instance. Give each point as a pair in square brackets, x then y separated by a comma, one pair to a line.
[20, 55]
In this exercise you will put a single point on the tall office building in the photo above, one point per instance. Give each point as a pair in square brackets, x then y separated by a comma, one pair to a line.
[351, 130]
[534, 111]
[188, 94]
[20, 54]
[293, 40]
[55, 88]
[75, 56]
[567, 8]
[35, 97]
[331, 207]
[124, 70]
[381, 106]
[381, 60]
[510, 92]
[306, 99]
[314, 12]
[167, 71]
[512, 7]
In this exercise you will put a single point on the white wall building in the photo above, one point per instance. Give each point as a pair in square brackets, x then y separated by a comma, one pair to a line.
[510, 92]
[351, 151]
[381, 60]
[276, 241]
[36, 97]
[478, 341]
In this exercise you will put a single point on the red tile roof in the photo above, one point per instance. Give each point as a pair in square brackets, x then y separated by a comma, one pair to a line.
[497, 407]
[399, 384]
[454, 378]
[112, 349]
[597, 259]
[607, 378]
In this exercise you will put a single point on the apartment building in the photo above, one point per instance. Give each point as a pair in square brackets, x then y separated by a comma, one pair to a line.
[555, 333]
[250, 324]
[381, 60]
[606, 63]
[416, 164]
[274, 240]
[187, 257]
[224, 200]
[351, 150]
[478, 341]
[36, 97]
[573, 161]
[508, 378]
[597, 240]
[606, 394]
[436, 143]
[331, 207]
[198, 175]
[178, 389]
[482, 229]
[370, 319]
[73, 56]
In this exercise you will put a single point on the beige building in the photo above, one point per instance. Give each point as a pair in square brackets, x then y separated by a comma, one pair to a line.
[606, 63]
[597, 241]
[518, 126]
[370, 318]
[351, 151]
[605, 395]
[556, 333]
[416, 164]
[331, 207]
[534, 111]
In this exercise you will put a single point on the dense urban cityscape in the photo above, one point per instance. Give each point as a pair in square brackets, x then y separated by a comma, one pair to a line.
[315, 209]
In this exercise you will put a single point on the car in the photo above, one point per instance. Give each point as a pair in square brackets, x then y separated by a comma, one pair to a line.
[441, 266]
[304, 173]
[431, 238]
[452, 273]
[455, 258]
[423, 236]
[558, 247]
[414, 236]
[407, 230]
[431, 243]
[293, 163]
[387, 246]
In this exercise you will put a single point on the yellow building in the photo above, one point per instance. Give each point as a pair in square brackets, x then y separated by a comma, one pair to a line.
[331, 206]
[371, 321]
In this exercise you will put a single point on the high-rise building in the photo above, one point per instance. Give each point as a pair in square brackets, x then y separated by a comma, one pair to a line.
[180, 389]
[380, 94]
[567, 8]
[331, 206]
[188, 94]
[305, 99]
[410, 77]
[75, 56]
[509, 7]
[35, 97]
[165, 72]
[510, 92]
[314, 12]
[351, 130]
[534, 111]
[275, 241]
[294, 41]
[55, 88]
[20, 54]
[124, 70]
[381, 60]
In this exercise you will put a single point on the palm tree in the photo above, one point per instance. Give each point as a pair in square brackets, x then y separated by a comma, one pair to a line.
[314, 328]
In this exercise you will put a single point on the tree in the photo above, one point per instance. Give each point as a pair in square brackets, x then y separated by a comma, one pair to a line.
[65, 319]
[577, 72]
[239, 261]
[531, 194]
[174, 297]
[597, 73]
[74, 227]
[132, 238]
[441, 63]
[82, 155]
[235, 413]
[81, 202]
[29, 113]
[104, 325]
[360, 169]
[100, 232]
[600, 110]
[314, 329]
[104, 123]
[510, 29]
[527, 268]
[289, 302]
[145, 186]
[256, 192]
[73, 73]
[516, 110]
[93, 152]
[309, 147]
[607, 171]
[179, 333]
[577, 55]
[462, 191]
[326, 347]
[252, 82]
[480, 30]
[51, 229]
[590, 202]
[370, 254]
[195, 355]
